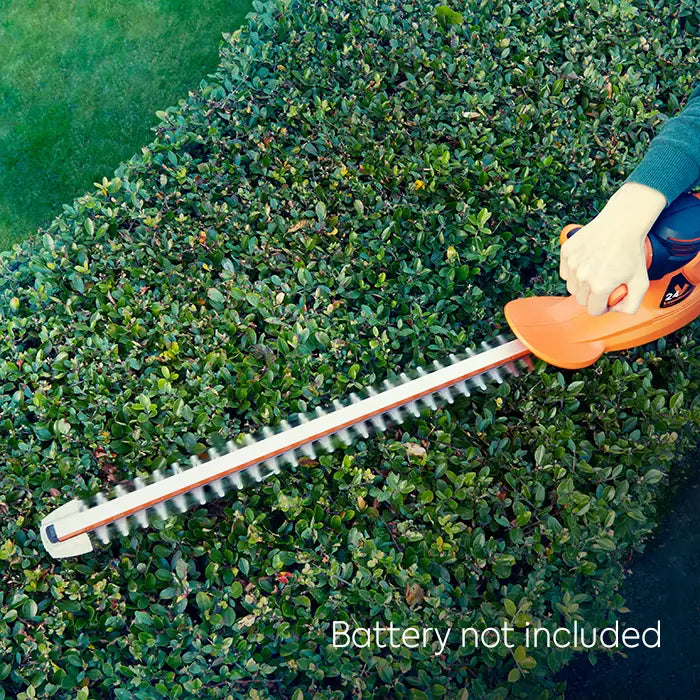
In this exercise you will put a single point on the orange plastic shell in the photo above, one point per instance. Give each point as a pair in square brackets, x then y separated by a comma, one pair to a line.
[562, 332]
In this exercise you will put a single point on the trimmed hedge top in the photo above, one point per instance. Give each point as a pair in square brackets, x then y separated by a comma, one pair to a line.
[359, 189]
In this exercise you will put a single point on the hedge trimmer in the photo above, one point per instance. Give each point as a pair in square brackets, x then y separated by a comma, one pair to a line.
[555, 329]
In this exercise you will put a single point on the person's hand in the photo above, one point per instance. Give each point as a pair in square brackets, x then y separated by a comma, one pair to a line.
[609, 250]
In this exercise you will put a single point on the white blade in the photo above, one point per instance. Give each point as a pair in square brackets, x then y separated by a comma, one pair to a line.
[266, 451]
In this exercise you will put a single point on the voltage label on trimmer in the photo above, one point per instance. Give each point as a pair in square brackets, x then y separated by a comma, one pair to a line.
[678, 289]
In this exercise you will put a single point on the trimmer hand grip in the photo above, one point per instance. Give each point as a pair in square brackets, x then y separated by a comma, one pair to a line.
[561, 332]
[673, 242]
[619, 293]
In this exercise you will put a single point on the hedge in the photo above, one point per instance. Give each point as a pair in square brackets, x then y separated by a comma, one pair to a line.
[358, 189]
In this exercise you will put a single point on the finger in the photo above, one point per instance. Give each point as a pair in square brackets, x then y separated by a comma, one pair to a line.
[569, 256]
[578, 287]
[583, 291]
[564, 270]
[598, 300]
[573, 277]
[583, 276]
[565, 261]
[636, 289]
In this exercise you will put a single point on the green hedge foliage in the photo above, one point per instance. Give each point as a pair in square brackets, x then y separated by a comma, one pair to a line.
[359, 188]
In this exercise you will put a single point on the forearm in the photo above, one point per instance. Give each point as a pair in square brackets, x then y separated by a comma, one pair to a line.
[672, 163]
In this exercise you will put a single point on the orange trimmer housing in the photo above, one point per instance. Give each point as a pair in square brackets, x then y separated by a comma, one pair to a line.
[562, 332]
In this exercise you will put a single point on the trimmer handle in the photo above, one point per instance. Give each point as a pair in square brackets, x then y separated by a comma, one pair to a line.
[672, 242]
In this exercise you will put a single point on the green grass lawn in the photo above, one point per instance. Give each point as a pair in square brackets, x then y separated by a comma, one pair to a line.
[80, 82]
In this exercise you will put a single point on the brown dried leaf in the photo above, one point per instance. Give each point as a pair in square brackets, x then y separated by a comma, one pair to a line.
[297, 225]
[413, 449]
[308, 462]
[414, 594]
[608, 88]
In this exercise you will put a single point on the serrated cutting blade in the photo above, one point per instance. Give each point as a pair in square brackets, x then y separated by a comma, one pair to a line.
[65, 532]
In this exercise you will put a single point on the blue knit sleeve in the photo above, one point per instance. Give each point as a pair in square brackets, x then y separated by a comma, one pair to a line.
[672, 163]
